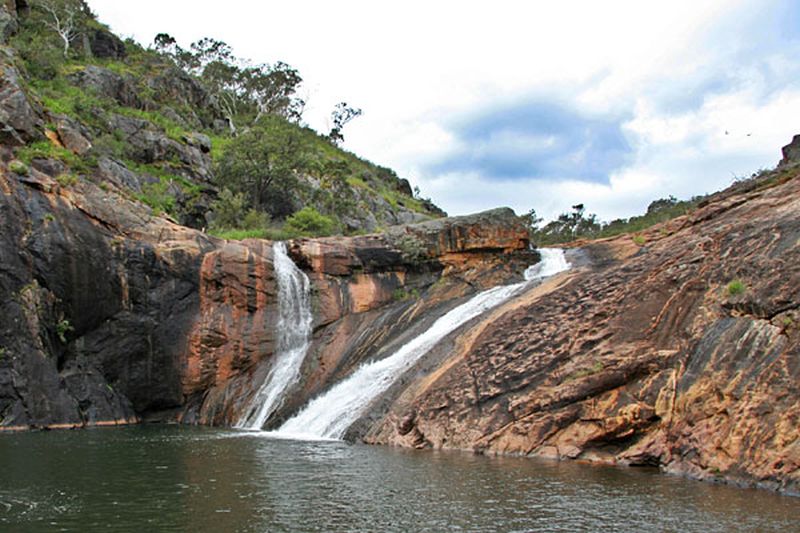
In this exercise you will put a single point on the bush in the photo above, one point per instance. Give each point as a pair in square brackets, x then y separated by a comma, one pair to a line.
[310, 223]
[411, 249]
[157, 195]
[62, 328]
[18, 167]
[228, 210]
[255, 220]
[67, 179]
[736, 287]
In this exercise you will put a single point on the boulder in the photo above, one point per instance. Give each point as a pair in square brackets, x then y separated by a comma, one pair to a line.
[8, 22]
[174, 85]
[20, 118]
[105, 45]
[118, 174]
[73, 135]
[108, 84]
[791, 152]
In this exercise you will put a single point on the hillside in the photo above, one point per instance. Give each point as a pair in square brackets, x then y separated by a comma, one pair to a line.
[174, 128]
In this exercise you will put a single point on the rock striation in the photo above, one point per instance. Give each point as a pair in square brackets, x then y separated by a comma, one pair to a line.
[682, 353]
[112, 314]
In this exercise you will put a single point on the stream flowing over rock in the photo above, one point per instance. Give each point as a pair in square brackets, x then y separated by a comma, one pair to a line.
[677, 349]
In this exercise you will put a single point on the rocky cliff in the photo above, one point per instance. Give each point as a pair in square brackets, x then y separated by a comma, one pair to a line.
[679, 349]
[111, 313]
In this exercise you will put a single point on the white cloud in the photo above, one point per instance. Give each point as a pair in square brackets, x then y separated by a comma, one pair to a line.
[684, 72]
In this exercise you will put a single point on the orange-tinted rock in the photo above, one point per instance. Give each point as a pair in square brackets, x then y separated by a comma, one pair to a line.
[238, 309]
[647, 357]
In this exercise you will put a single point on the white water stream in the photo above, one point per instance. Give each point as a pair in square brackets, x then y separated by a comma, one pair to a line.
[293, 339]
[328, 416]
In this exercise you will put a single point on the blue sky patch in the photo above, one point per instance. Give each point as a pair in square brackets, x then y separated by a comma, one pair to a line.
[536, 139]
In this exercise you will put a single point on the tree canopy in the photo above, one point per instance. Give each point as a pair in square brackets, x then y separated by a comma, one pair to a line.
[263, 163]
[244, 92]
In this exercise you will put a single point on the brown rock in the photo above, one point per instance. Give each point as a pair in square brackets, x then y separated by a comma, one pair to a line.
[644, 358]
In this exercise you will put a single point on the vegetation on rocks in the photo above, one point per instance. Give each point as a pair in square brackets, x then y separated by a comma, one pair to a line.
[173, 127]
[577, 224]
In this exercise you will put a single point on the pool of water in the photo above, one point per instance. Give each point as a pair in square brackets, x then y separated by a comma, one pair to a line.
[164, 478]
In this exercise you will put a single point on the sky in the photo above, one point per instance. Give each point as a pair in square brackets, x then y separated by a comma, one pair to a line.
[531, 105]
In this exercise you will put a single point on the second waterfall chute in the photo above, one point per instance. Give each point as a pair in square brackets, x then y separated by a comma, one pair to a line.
[331, 414]
[293, 337]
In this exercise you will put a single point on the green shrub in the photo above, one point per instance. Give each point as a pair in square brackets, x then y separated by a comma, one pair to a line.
[254, 220]
[401, 294]
[412, 249]
[310, 223]
[62, 329]
[18, 167]
[228, 209]
[736, 287]
[157, 196]
[640, 240]
[68, 179]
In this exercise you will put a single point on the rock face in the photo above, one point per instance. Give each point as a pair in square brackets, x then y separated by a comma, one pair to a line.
[683, 353]
[98, 301]
[112, 314]
[20, 119]
[368, 295]
[791, 152]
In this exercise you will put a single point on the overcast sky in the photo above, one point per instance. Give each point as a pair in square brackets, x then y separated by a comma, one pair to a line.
[527, 104]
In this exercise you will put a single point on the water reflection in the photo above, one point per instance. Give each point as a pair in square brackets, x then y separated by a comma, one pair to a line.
[179, 479]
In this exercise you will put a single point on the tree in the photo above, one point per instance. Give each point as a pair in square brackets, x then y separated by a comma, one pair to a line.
[245, 93]
[341, 115]
[567, 227]
[273, 89]
[262, 163]
[531, 220]
[64, 18]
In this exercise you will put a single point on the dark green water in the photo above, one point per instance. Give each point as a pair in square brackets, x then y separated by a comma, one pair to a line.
[162, 478]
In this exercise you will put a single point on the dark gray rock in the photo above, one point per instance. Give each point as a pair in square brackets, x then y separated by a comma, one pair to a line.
[198, 140]
[8, 23]
[148, 145]
[174, 85]
[791, 152]
[73, 135]
[51, 167]
[119, 175]
[20, 119]
[108, 84]
[106, 45]
[404, 187]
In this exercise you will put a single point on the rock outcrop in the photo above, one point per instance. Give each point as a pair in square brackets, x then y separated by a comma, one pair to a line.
[112, 314]
[682, 353]
[20, 118]
[368, 294]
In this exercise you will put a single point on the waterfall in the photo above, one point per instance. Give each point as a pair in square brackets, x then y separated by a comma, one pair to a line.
[329, 415]
[292, 340]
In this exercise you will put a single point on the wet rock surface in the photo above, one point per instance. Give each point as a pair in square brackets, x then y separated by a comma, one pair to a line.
[683, 353]
[112, 314]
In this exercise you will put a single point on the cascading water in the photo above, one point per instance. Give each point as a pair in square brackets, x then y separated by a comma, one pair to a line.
[293, 339]
[328, 416]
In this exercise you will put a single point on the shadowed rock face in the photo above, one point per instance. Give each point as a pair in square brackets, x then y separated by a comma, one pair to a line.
[652, 356]
[111, 314]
